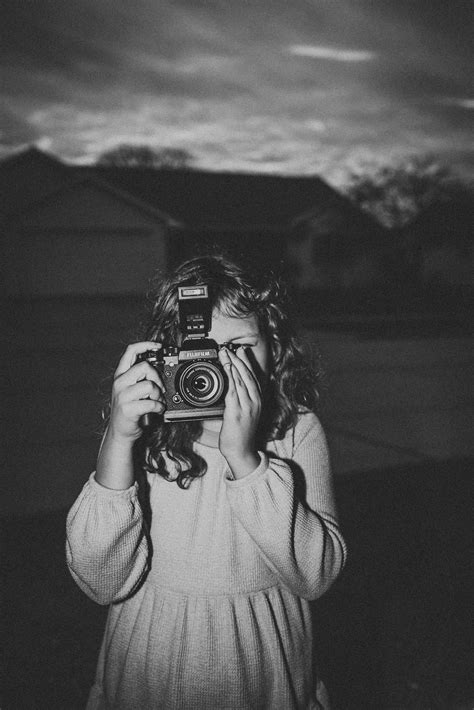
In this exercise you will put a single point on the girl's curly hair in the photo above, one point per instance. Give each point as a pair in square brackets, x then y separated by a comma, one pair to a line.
[293, 379]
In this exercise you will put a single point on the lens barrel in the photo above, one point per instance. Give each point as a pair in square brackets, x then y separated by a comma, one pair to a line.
[201, 384]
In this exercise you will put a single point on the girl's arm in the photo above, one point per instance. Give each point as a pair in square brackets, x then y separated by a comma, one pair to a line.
[288, 509]
[106, 546]
[137, 390]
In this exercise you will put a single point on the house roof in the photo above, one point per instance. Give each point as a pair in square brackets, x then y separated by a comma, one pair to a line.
[28, 177]
[222, 200]
[32, 177]
[195, 199]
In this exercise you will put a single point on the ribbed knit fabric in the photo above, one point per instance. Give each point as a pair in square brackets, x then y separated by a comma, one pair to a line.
[216, 614]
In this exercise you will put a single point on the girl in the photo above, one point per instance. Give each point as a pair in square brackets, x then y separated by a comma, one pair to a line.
[208, 539]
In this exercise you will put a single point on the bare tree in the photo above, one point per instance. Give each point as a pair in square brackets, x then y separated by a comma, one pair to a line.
[395, 194]
[144, 156]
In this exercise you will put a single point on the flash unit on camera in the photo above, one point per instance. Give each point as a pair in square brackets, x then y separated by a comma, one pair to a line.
[194, 310]
[192, 292]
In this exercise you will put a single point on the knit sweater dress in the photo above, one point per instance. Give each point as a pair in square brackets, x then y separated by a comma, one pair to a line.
[211, 610]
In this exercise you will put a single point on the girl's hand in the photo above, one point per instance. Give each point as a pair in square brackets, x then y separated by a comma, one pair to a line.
[243, 404]
[137, 390]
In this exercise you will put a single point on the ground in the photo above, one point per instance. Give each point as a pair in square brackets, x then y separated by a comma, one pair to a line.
[394, 633]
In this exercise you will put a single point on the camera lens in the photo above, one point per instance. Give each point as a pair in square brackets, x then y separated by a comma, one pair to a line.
[201, 384]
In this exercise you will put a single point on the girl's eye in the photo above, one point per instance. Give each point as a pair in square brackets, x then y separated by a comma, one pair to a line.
[235, 346]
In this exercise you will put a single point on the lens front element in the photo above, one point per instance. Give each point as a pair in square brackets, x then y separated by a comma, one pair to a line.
[201, 384]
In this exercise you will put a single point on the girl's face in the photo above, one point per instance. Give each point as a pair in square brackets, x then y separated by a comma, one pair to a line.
[243, 331]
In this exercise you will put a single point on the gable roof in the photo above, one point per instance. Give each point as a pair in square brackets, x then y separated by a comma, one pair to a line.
[196, 199]
[28, 177]
[31, 178]
[29, 157]
[200, 199]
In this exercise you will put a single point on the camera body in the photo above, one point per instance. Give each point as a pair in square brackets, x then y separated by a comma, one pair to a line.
[193, 378]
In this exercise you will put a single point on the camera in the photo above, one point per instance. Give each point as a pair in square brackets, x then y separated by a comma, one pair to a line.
[194, 380]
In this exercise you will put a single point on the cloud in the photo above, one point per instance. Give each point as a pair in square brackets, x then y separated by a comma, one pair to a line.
[232, 135]
[334, 54]
[15, 130]
[270, 85]
[465, 103]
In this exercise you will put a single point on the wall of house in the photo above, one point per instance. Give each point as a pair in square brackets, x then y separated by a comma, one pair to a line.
[85, 241]
[447, 265]
[58, 359]
[311, 271]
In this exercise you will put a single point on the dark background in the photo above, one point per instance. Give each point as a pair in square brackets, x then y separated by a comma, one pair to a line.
[347, 90]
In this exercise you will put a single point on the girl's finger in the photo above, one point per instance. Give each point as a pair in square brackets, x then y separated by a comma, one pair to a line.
[241, 393]
[130, 355]
[246, 376]
[141, 371]
[227, 365]
[139, 407]
[242, 354]
[142, 390]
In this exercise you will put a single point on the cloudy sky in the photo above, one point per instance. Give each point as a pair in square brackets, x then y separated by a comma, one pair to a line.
[283, 86]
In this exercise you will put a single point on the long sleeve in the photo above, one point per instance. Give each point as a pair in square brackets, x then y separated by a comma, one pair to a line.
[287, 507]
[106, 551]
